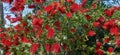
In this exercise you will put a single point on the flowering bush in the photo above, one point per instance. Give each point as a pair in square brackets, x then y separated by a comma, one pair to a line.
[61, 27]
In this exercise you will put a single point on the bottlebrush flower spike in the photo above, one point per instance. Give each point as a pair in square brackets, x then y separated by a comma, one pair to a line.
[50, 33]
[7, 53]
[39, 1]
[6, 42]
[38, 12]
[47, 26]
[57, 24]
[68, 14]
[88, 17]
[39, 32]
[31, 6]
[83, 10]
[99, 52]
[98, 44]
[37, 22]
[34, 48]
[109, 12]
[96, 24]
[101, 19]
[85, 26]
[48, 47]
[2, 35]
[74, 7]
[106, 40]
[91, 33]
[62, 9]
[117, 42]
[55, 48]
[48, 8]
[114, 31]
[83, 3]
[24, 39]
[69, 1]
[110, 49]
[7, 1]
[108, 24]
[72, 30]
[93, 6]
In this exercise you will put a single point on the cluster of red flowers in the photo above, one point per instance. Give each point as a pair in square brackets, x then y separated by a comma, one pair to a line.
[56, 26]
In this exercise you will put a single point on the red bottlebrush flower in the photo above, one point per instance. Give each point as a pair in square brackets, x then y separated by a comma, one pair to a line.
[117, 42]
[6, 42]
[24, 39]
[106, 40]
[15, 37]
[22, 2]
[2, 35]
[88, 17]
[13, 9]
[96, 24]
[68, 14]
[93, 6]
[34, 48]
[1, 29]
[31, 6]
[47, 26]
[17, 27]
[91, 33]
[17, 7]
[15, 42]
[8, 17]
[85, 25]
[7, 53]
[69, 1]
[84, 10]
[73, 39]
[108, 24]
[26, 31]
[55, 48]
[53, 12]
[55, 5]
[39, 1]
[83, 3]
[99, 52]
[114, 31]
[16, 19]
[37, 22]
[57, 24]
[72, 30]
[47, 47]
[7, 1]
[101, 19]
[23, 24]
[58, 28]
[98, 44]
[74, 7]
[38, 12]
[50, 33]
[48, 8]
[39, 32]
[110, 49]
[62, 9]
[109, 12]
[64, 46]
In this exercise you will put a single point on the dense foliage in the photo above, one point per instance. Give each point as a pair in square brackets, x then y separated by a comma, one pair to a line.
[62, 28]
